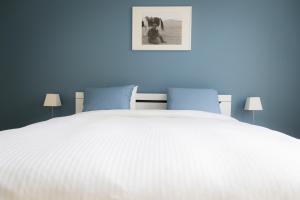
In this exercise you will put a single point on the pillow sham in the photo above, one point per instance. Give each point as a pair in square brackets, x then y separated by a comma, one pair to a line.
[109, 98]
[133, 98]
[193, 99]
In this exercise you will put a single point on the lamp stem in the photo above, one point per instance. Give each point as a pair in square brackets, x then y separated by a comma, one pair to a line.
[253, 117]
[52, 112]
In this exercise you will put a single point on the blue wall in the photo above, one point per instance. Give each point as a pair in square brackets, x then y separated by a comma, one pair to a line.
[240, 47]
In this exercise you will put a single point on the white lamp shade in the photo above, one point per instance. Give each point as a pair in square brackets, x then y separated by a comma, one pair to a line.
[52, 100]
[253, 103]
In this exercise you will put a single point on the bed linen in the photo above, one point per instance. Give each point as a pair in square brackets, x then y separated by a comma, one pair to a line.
[148, 155]
[193, 99]
[109, 98]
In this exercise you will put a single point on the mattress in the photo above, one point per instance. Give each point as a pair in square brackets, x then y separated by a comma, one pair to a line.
[148, 155]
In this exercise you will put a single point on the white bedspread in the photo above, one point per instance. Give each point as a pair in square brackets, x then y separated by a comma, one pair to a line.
[148, 155]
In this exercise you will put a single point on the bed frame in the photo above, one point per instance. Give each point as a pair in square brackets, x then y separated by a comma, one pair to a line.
[146, 101]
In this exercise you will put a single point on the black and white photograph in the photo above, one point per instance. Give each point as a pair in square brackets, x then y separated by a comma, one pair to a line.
[161, 28]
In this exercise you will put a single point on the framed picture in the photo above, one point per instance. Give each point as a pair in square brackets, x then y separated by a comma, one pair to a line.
[161, 28]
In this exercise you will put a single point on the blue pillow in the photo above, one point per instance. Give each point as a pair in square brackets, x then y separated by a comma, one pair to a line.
[193, 99]
[109, 98]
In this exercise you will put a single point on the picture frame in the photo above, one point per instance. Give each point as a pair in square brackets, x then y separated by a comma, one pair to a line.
[161, 28]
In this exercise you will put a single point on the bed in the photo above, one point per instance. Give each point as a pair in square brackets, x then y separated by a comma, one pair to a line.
[148, 154]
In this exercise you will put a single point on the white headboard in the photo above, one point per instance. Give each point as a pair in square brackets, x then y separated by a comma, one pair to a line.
[155, 101]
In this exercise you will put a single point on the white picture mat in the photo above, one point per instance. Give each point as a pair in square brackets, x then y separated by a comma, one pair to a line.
[184, 11]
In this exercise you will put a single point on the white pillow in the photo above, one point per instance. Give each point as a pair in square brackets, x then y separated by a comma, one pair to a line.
[133, 98]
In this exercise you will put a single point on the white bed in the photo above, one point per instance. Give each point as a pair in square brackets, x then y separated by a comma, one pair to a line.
[148, 155]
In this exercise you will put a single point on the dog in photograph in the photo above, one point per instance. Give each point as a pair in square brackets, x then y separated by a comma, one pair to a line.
[153, 27]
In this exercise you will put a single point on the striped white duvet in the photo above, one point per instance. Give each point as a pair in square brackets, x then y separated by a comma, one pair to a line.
[148, 155]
